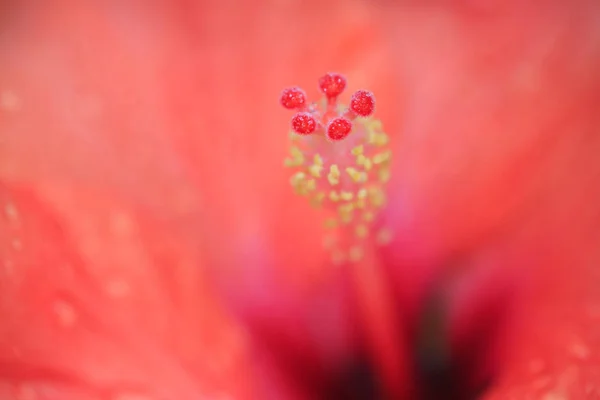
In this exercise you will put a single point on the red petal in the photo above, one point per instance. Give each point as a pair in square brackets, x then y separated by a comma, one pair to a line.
[146, 110]
[499, 162]
[99, 297]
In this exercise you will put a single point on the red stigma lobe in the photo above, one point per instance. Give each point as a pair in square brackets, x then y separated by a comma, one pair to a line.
[304, 123]
[293, 97]
[362, 103]
[332, 85]
[339, 128]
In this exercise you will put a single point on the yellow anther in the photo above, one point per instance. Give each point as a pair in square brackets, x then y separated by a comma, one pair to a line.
[377, 197]
[330, 223]
[297, 181]
[346, 218]
[360, 203]
[374, 125]
[384, 236]
[346, 196]
[317, 160]
[296, 152]
[301, 185]
[317, 200]
[382, 139]
[297, 178]
[377, 139]
[348, 207]
[364, 161]
[356, 175]
[384, 175]
[334, 170]
[334, 196]
[358, 150]
[301, 190]
[346, 213]
[362, 193]
[355, 254]
[317, 167]
[297, 155]
[361, 231]
[297, 158]
[315, 170]
[382, 157]
[371, 137]
[368, 216]
[334, 175]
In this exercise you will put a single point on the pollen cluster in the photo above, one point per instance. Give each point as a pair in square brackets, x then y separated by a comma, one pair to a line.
[340, 160]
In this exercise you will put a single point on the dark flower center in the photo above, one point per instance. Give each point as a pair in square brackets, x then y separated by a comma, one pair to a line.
[441, 373]
[443, 368]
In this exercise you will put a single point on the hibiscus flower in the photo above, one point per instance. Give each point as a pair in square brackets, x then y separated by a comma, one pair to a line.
[152, 248]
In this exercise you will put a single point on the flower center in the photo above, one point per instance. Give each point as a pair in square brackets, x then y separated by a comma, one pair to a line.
[341, 163]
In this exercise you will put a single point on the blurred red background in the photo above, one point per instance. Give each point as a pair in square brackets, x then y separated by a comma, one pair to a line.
[149, 228]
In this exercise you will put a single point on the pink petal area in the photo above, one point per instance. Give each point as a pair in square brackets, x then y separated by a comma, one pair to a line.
[103, 300]
[112, 113]
[499, 169]
[552, 351]
[487, 116]
[182, 99]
